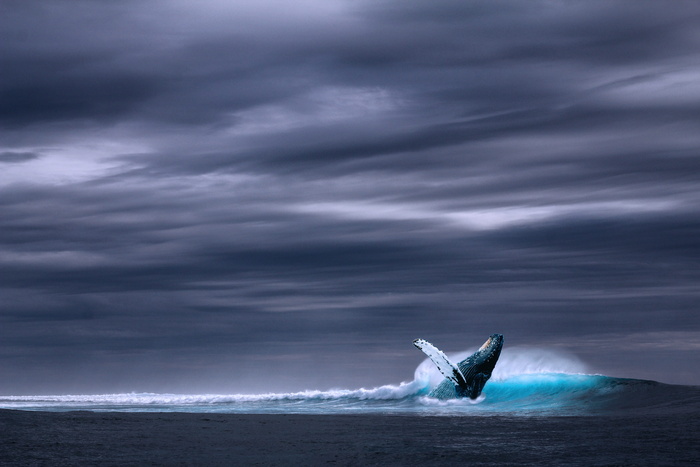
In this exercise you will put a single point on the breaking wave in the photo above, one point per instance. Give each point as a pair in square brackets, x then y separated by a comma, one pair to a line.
[525, 382]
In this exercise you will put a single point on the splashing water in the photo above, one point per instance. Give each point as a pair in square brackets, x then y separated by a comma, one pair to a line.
[526, 381]
[512, 362]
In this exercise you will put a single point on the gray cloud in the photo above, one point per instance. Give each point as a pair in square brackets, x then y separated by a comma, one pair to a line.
[14, 157]
[241, 189]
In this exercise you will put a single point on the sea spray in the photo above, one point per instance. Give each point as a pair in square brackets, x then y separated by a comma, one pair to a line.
[512, 362]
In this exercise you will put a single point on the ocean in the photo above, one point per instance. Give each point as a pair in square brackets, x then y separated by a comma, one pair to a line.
[538, 409]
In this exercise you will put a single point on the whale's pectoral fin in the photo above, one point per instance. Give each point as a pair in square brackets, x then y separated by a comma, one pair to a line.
[446, 367]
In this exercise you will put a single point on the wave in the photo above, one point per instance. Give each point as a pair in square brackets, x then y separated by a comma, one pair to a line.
[527, 382]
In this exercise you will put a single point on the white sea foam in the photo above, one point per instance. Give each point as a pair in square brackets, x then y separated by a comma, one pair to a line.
[387, 392]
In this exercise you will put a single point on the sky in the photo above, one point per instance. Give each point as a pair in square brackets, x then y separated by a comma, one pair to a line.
[275, 196]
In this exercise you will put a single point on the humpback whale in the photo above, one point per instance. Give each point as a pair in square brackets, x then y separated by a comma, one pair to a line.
[468, 377]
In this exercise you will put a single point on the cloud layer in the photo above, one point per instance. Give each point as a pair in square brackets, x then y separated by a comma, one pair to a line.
[266, 196]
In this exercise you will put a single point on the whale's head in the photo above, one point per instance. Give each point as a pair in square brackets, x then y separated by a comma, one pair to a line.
[487, 355]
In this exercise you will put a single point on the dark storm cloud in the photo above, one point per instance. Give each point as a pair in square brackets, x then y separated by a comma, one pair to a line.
[13, 157]
[234, 189]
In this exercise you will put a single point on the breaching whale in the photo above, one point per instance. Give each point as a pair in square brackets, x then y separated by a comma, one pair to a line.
[468, 377]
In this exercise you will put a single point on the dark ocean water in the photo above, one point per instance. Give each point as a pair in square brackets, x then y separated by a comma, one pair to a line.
[143, 438]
